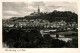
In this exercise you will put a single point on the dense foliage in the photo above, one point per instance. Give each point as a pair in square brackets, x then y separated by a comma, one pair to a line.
[17, 38]
[56, 16]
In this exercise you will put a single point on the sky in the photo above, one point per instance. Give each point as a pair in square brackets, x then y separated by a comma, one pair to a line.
[21, 9]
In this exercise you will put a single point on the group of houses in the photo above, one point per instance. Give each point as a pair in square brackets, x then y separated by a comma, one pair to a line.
[39, 23]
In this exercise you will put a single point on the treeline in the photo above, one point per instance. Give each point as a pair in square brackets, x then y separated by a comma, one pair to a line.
[17, 38]
[67, 16]
[56, 16]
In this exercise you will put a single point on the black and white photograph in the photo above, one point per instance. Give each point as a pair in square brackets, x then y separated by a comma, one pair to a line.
[42, 24]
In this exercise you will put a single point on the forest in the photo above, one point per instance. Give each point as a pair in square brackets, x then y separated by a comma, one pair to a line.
[18, 38]
[67, 16]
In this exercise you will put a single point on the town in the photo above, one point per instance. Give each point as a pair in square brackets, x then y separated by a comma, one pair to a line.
[57, 29]
[39, 23]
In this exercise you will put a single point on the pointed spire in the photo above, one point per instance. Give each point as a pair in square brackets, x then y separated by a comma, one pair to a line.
[38, 9]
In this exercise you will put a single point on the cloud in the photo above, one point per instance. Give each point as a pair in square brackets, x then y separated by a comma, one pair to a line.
[60, 9]
[25, 8]
[11, 12]
[35, 4]
[32, 8]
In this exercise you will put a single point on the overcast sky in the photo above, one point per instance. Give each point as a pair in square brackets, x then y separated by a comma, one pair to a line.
[21, 9]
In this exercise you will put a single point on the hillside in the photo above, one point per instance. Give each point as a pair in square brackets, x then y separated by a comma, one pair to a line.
[54, 16]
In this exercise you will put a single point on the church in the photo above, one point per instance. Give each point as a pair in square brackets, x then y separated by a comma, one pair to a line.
[36, 13]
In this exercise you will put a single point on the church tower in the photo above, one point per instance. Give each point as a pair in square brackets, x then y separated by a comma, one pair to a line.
[38, 9]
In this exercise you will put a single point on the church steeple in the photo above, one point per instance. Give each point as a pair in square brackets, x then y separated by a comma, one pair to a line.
[38, 9]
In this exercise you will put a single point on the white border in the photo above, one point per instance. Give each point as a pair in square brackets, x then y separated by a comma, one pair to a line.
[40, 50]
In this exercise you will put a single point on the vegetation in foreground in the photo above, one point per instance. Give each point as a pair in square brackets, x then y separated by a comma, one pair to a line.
[17, 38]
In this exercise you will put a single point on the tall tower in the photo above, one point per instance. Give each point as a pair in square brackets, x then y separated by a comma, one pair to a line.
[38, 9]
